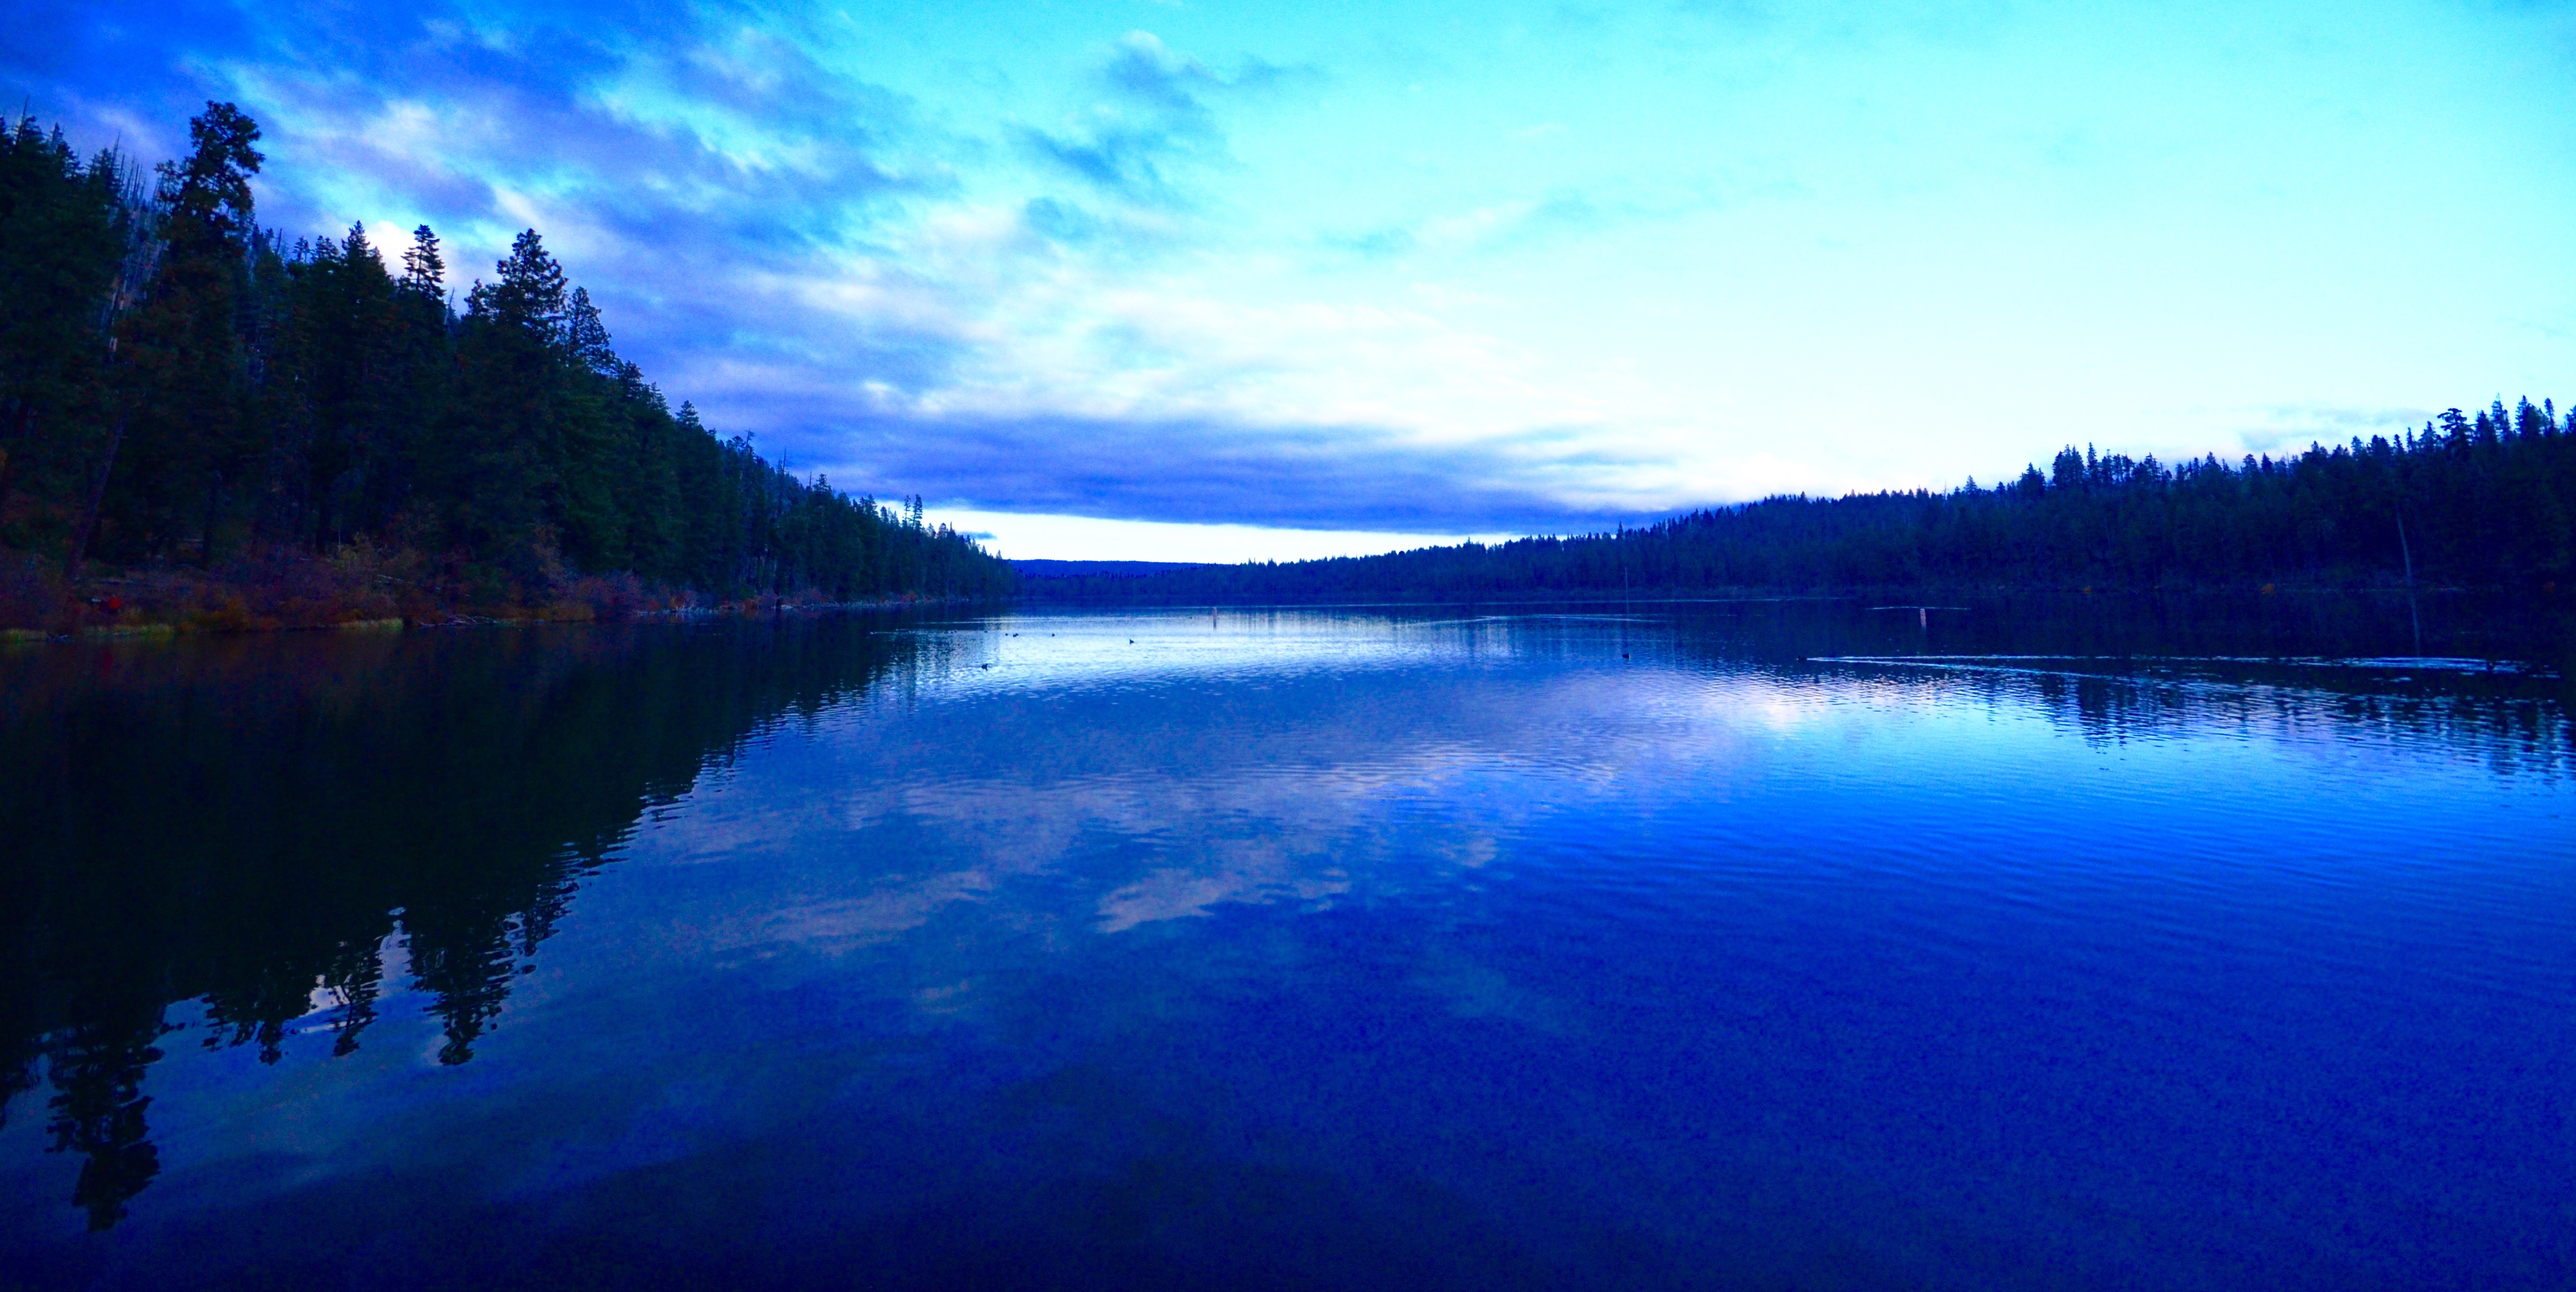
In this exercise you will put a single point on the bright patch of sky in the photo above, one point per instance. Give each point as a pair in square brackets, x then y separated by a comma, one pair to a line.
[1343, 278]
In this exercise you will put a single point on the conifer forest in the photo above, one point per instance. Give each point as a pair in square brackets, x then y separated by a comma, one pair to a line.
[320, 429]
[317, 427]
[2471, 501]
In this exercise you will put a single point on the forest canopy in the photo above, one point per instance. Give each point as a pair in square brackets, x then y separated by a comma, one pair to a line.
[181, 387]
[2473, 500]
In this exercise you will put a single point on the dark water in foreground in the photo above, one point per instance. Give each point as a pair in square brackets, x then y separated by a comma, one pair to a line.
[1316, 949]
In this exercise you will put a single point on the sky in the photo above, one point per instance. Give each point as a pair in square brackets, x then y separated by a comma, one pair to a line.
[1178, 280]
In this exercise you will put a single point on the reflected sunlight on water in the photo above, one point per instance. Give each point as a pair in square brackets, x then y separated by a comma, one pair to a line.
[1738, 944]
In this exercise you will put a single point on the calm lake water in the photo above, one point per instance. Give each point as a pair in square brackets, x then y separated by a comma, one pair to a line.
[1719, 946]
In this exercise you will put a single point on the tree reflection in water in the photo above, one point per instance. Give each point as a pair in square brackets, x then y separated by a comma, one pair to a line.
[257, 823]
[274, 827]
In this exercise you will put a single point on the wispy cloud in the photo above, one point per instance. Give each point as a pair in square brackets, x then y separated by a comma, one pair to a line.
[1339, 477]
[2292, 427]
[1500, 227]
[1391, 271]
[1152, 123]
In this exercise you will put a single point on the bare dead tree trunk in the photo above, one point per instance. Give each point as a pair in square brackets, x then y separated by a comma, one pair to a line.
[97, 495]
[206, 534]
[13, 455]
[2408, 553]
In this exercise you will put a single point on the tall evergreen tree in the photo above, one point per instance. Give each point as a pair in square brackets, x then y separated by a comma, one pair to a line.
[65, 231]
[177, 383]
[182, 384]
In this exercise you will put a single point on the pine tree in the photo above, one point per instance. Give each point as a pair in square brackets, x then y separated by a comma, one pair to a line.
[424, 269]
[183, 379]
[176, 381]
[586, 338]
[64, 229]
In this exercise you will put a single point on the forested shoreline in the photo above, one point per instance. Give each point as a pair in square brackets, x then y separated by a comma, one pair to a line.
[205, 424]
[2479, 500]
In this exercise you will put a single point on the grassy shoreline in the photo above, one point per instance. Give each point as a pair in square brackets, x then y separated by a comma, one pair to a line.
[354, 590]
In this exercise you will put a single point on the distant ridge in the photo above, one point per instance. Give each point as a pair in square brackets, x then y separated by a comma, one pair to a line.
[1040, 569]
[2484, 500]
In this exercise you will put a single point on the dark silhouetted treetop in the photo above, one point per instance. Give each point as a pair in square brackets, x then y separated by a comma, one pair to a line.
[529, 293]
[211, 189]
[2482, 499]
[178, 383]
[424, 268]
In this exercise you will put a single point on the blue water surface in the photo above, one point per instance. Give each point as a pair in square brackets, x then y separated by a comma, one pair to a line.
[1286, 949]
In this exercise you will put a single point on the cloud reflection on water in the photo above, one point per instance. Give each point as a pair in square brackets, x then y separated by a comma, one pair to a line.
[861, 843]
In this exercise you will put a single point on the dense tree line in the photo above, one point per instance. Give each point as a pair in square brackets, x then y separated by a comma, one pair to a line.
[178, 384]
[2483, 500]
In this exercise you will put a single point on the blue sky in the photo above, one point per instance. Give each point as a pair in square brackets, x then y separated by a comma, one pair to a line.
[1196, 281]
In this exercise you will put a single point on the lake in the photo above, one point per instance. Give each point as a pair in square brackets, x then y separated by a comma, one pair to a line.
[1767, 944]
